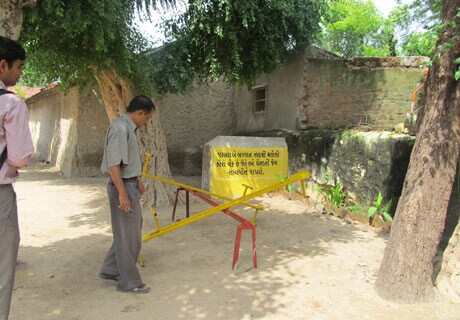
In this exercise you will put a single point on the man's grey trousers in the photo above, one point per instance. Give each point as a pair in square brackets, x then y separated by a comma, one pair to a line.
[9, 244]
[121, 259]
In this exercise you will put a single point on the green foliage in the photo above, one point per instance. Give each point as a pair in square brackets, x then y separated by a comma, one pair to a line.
[420, 44]
[380, 209]
[426, 16]
[355, 28]
[235, 40]
[169, 68]
[355, 208]
[457, 73]
[331, 193]
[282, 179]
[70, 41]
[335, 195]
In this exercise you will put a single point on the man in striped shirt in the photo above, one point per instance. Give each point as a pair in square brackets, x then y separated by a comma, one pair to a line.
[17, 148]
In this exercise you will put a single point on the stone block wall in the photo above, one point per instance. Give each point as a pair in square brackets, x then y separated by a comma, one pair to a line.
[364, 163]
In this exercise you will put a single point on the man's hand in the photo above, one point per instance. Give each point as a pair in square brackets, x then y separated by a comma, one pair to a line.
[140, 186]
[125, 203]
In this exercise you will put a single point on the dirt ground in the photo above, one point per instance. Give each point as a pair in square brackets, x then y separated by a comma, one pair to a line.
[311, 266]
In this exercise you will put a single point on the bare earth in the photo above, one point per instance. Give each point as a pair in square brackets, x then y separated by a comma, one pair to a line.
[311, 266]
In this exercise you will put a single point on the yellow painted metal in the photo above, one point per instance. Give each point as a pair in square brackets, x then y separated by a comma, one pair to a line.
[246, 187]
[296, 177]
[145, 173]
[155, 217]
[254, 218]
[140, 261]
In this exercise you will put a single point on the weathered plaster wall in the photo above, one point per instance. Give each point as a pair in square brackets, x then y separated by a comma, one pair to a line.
[338, 93]
[192, 119]
[364, 163]
[44, 115]
[92, 126]
[68, 130]
[283, 88]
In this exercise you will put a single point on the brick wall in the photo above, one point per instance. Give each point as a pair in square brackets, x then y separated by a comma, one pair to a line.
[361, 91]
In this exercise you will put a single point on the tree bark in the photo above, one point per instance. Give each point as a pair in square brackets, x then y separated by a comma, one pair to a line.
[11, 18]
[152, 140]
[448, 280]
[406, 271]
[116, 94]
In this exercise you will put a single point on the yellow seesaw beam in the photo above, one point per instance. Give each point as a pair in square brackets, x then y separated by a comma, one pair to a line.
[145, 173]
[222, 207]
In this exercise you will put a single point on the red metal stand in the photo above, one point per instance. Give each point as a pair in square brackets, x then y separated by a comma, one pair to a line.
[236, 251]
[244, 224]
[187, 209]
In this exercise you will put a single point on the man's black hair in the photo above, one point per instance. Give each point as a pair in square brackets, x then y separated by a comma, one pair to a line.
[140, 103]
[11, 51]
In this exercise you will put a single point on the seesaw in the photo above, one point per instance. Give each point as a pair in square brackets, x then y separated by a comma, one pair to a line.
[207, 197]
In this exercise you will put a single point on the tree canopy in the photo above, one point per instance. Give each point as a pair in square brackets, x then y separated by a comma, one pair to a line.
[70, 41]
[231, 40]
[354, 28]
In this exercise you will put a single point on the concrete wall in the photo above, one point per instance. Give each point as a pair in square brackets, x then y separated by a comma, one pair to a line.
[364, 163]
[191, 120]
[338, 93]
[283, 88]
[68, 130]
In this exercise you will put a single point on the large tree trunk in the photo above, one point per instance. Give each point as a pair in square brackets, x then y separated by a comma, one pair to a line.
[152, 140]
[406, 271]
[11, 17]
[448, 280]
[448, 266]
[116, 94]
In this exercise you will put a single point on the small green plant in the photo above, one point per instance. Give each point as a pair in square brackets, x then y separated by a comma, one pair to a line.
[457, 73]
[336, 196]
[379, 209]
[332, 193]
[282, 179]
[355, 208]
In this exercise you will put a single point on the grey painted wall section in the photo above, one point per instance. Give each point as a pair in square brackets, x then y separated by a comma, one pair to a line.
[192, 119]
[283, 87]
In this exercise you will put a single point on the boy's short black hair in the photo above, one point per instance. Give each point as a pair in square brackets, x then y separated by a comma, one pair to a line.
[11, 51]
[140, 103]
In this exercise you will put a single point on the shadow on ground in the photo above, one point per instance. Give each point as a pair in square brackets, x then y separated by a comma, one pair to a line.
[189, 269]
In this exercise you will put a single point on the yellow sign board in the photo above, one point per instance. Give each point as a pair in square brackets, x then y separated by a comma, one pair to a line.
[257, 167]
